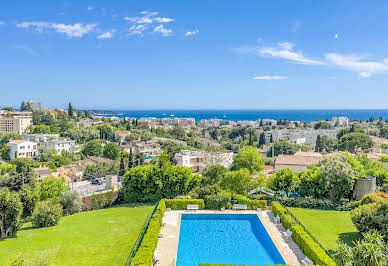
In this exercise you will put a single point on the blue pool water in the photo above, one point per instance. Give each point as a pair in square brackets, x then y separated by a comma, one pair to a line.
[225, 239]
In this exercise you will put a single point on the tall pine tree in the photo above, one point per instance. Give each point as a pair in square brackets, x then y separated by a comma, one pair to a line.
[70, 111]
[318, 144]
[131, 160]
[262, 140]
[122, 167]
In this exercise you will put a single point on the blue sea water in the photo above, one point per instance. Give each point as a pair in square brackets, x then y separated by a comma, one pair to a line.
[236, 115]
[238, 239]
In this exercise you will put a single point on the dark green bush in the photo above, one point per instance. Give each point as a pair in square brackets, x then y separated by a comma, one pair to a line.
[99, 201]
[181, 204]
[254, 204]
[278, 209]
[287, 221]
[71, 202]
[321, 204]
[384, 188]
[309, 247]
[217, 201]
[46, 213]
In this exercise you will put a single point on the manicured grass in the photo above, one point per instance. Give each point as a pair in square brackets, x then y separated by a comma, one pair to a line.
[328, 226]
[102, 237]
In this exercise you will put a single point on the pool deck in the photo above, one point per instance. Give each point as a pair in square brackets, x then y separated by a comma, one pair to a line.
[168, 244]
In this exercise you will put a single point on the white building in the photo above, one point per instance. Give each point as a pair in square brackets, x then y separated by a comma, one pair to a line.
[297, 135]
[340, 121]
[210, 122]
[198, 160]
[22, 149]
[18, 122]
[52, 142]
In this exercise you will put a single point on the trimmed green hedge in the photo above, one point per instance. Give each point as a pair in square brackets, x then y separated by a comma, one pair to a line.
[309, 247]
[144, 254]
[287, 221]
[181, 204]
[278, 209]
[254, 204]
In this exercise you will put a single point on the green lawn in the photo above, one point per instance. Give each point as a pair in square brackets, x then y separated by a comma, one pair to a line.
[102, 237]
[328, 226]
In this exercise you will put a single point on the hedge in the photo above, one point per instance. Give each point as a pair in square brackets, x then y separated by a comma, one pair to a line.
[181, 204]
[320, 204]
[144, 254]
[287, 221]
[251, 203]
[99, 201]
[309, 247]
[278, 209]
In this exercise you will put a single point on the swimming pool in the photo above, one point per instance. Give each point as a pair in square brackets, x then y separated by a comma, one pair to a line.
[225, 239]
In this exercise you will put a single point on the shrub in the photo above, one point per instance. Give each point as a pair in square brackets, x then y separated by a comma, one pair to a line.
[254, 204]
[309, 247]
[372, 216]
[99, 201]
[241, 199]
[46, 213]
[181, 204]
[278, 209]
[217, 201]
[374, 197]
[71, 202]
[385, 188]
[287, 221]
[311, 203]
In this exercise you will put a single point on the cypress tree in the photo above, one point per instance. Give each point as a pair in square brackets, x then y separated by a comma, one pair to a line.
[131, 162]
[262, 139]
[318, 144]
[271, 139]
[122, 167]
[70, 111]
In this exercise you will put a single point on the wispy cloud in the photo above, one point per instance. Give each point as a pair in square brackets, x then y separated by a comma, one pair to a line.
[191, 33]
[137, 29]
[90, 8]
[283, 50]
[2, 23]
[296, 26]
[71, 30]
[148, 18]
[163, 31]
[269, 77]
[336, 36]
[28, 50]
[358, 64]
[106, 35]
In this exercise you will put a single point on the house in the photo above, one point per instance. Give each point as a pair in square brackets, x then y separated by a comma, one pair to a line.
[52, 142]
[22, 149]
[297, 163]
[299, 136]
[18, 122]
[71, 173]
[93, 160]
[121, 134]
[268, 170]
[42, 172]
[198, 160]
[147, 148]
[309, 154]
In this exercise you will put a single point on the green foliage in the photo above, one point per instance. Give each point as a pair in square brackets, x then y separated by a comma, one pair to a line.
[373, 197]
[4, 152]
[181, 204]
[372, 216]
[111, 151]
[278, 209]
[248, 157]
[5, 137]
[29, 198]
[82, 135]
[71, 202]
[50, 188]
[218, 200]
[41, 129]
[283, 147]
[99, 170]
[284, 180]
[385, 188]
[309, 247]
[10, 212]
[313, 183]
[106, 132]
[47, 213]
[237, 182]
[99, 201]
[287, 221]
[354, 141]
[339, 175]
[319, 204]
[92, 148]
[213, 174]
[322, 125]
[370, 251]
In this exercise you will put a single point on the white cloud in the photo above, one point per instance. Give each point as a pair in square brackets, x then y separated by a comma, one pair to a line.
[106, 35]
[2, 22]
[162, 30]
[283, 50]
[357, 63]
[164, 20]
[137, 29]
[190, 33]
[71, 30]
[148, 18]
[269, 77]
[336, 36]
[90, 8]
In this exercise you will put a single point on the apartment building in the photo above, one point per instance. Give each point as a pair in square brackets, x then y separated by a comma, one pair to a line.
[17, 122]
[198, 160]
[301, 136]
[22, 149]
[52, 142]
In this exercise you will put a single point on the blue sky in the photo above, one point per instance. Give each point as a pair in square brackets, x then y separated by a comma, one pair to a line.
[195, 54]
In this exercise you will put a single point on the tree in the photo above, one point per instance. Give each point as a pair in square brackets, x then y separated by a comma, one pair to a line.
[41, 129]
[28, 198]
[10, 212]
[45, 155]
[339, 174]
[284, 180]
[250, 158]
[71, 202]
[106, 132]
[100, 170]
[312, 183]
[262, 140]
[23, 174]
[50, 188]
[92, 148]
[352, 142]
[251, 139]
[213, 174]
[283, 147]
[237, 182]
[122, 167]
[4, 152]
[327, 144]
[322, 125]
[318, 144]
[47, 213]
[70, 111]
[131, 160]
[111, 151]
[178, 132]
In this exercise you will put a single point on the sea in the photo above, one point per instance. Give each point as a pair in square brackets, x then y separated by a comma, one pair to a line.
[252, 115]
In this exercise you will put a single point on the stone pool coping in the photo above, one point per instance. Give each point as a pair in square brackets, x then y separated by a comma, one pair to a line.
[168, 244]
